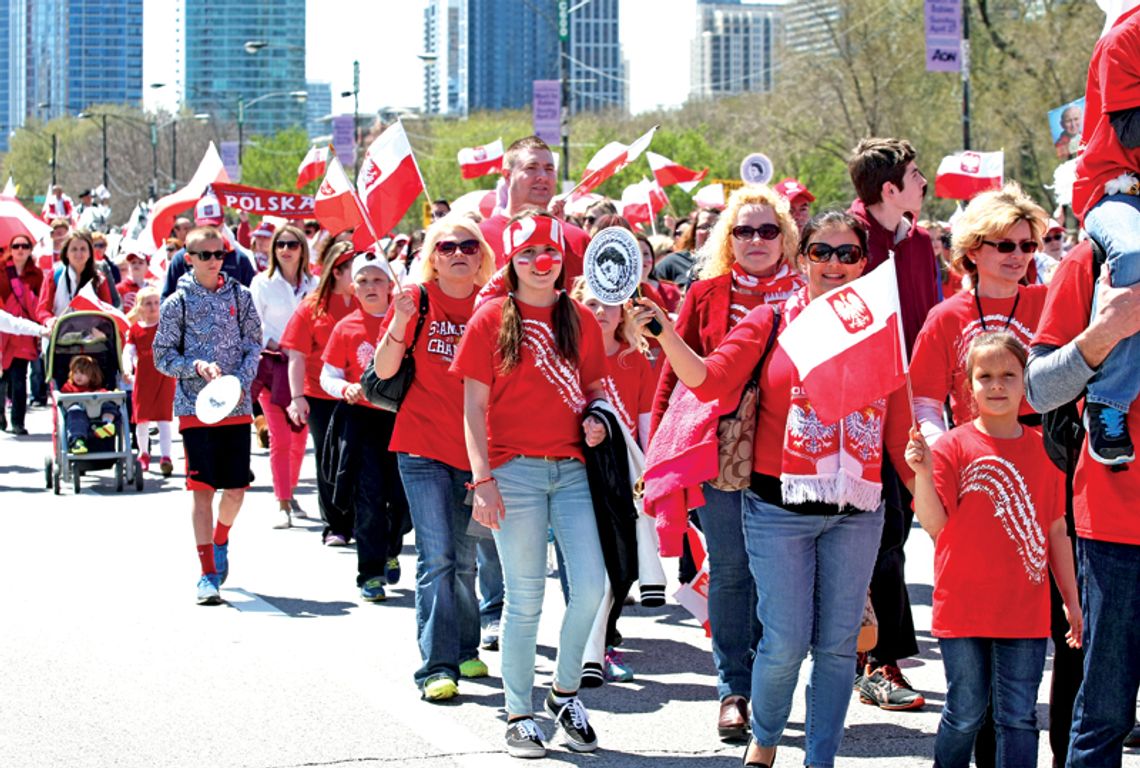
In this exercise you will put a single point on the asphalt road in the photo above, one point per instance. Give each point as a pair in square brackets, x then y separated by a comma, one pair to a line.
[108, 661]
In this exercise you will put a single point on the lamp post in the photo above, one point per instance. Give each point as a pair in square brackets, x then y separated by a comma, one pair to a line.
[103, 127]
[355, 94]
[243, 105]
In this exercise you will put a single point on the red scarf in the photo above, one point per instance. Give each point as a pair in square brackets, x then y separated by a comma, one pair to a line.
[837, 463]
[776, 288]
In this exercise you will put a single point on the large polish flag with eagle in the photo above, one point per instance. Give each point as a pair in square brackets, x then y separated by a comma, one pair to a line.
[389, 180]
[847, 344]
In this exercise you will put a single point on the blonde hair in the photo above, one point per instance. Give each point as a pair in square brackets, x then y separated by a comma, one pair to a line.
[627, 330]
[145, 292]
[445, 226]
[989, 215]
[717, 256]
[198, 234]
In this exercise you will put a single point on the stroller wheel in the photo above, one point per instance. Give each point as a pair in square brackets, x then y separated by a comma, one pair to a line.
[138, 475]
[47, 471]
[56, 481]
[75, 481]
[119, 476]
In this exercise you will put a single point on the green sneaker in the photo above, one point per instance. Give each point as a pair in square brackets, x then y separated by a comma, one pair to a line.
[440, 688]
[372, 590]
[78, 446]
[473, 668]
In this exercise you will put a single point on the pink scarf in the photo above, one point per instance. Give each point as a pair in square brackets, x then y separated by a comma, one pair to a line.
[837, 463]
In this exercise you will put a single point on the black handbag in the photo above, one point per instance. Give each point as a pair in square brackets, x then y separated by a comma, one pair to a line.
[387, 394]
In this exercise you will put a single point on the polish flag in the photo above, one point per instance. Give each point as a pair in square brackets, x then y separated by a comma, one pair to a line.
[166, 209]
[389, 180]
[481, 161]
[667, 172]
[336, 206]
[313, 166]
[638, 199]
[87, 301]
[847, 344]
[962, 176]
[711, 197]
[609, 160]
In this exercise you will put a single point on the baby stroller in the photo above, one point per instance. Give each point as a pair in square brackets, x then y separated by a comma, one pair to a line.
[94, 334]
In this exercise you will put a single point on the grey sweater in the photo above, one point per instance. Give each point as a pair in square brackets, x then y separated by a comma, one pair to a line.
[1055, 375]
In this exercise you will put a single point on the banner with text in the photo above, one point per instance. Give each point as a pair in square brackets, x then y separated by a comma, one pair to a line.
[943, 35]
[344, 138]
[264, 202]
[547, 99]
[229, 152]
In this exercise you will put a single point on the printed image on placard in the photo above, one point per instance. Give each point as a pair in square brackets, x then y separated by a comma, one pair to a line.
[1065, 125]
[613, 265]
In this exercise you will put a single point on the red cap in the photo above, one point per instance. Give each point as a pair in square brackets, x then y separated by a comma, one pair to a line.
[531, 232]
[790, 189]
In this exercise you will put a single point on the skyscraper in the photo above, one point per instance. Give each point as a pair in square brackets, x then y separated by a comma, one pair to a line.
[318, 106]
[809, 26]
[221, 70]
[597, 71]
[735, 47]
[445, 75]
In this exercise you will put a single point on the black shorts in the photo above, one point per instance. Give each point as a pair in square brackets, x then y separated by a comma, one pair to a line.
[217, 457]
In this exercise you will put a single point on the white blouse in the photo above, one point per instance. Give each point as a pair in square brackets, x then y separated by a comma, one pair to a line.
[276, 301]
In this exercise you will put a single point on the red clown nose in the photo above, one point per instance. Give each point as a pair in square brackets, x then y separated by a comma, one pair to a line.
[543, 262]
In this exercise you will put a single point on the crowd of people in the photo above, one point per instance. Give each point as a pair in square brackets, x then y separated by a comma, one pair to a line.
[465, 383]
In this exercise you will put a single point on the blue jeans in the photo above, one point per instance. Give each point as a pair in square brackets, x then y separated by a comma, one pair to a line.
[490, 581]
[538, 494]
[1114, 222]
[1106, 704]
[732, 593]
[447, 613]
[1012, 669]
[811, 573]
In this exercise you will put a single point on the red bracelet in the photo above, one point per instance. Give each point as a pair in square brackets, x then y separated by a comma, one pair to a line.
[477, 483]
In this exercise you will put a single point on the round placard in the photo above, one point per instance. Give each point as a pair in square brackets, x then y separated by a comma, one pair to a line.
[613, 265]
[217, 399]
[756, 169]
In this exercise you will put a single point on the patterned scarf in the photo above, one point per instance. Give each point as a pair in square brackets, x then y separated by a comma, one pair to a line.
[776, 288]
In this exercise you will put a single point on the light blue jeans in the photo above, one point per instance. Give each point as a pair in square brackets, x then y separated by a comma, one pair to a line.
[812, 574]
[1114, 222]
[537, 495]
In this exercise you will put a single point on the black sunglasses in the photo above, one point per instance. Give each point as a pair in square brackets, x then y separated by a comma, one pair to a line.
[290, 244]
[20, 246]
[945, 241]
[821, 253]
[1053, 238]
[467, 247]
[1008, 246]
[766, 232]
[207, 255]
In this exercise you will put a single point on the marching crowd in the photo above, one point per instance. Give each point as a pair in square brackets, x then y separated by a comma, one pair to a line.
[467, 384]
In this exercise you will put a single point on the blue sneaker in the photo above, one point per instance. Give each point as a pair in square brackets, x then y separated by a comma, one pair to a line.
[1109, 441]
[392, 570]
[208, 590]
[372, 590]
[222, 561]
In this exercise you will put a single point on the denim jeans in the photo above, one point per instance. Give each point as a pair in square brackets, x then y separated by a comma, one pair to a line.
[537, 495]
[447, 612]
[1106, 703]
[811, 573]
[16, 381]
[1114, 222]
[1012, 669]
[490, 574]
[79, 423]
[732, 593]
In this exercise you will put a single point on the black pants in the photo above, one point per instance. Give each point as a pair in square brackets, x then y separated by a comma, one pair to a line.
[888, 582]
[379, 504]
[15, 386]
[320, 411]
[38, 382]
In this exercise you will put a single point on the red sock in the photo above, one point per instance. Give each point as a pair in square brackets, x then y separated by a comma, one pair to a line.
[221, 533]
[206, 558]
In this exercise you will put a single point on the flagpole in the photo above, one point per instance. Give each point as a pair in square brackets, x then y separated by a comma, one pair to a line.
[902, 340]
[649, 207]
[423, 182]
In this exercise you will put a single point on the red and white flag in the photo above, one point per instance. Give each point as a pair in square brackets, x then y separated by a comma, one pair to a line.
[481, 161]
[336, 206]
[962, 176]
[313, 166]
[667, 172]
[87, 301]
[847, 345]
[389, 180]
[166, 209]
[609, 160]
[641, 202]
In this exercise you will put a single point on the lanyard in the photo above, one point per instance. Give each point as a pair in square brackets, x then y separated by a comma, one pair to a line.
[1008, 320]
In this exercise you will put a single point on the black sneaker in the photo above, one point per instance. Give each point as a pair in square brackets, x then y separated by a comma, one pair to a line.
[887, 689]
[574, 722]
[524, 739]
[1109, 442]
[592, 676]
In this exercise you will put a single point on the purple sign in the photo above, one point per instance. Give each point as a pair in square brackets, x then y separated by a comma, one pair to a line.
[229, 152]
[943, 35]
[344, 139]
[548, 111]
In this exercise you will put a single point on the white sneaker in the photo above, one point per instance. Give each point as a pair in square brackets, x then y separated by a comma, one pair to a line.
[286, 520]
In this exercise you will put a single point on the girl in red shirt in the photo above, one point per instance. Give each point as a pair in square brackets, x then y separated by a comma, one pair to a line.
[994, 504]
[153, 392]
[531, 361]
[21, 282]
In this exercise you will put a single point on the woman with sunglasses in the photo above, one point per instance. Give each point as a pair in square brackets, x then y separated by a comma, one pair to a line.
[20, 284]
[432, 456]
[811, 529]
[304, 341]
[76, 269]
[748, 262]
[106, 267]
[277, 292]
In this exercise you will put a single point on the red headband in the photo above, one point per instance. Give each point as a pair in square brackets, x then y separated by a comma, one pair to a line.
[533, 232]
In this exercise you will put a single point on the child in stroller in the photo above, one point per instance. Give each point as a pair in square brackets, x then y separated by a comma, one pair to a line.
[84, 375]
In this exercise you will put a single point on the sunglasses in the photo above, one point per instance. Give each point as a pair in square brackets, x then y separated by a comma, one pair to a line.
[292, 245]
[765, 231]
[467, 247]
[100, 246]
[945, 241]
[821, 253]
[1054, 238]
[207, 255]
[20, 247]
[1008, 246]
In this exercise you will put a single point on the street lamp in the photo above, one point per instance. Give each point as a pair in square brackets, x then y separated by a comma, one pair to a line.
[355, 94]
[242, 105]
[44, 137]
[103, 119]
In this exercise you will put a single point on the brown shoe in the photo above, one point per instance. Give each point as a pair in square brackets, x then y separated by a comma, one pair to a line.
[732, 725]
[262, 428]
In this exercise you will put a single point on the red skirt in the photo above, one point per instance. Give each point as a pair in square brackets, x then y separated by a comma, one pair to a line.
[154, 392]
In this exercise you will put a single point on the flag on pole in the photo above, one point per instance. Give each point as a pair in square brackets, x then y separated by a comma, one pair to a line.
[641, 202]
[847, 344]
[9, 188]
[711, 197]
[336, 206]
[668, 172]
[389, 180]
[962, 176]
[609, 160]
[87, 301]
[486, 160]
[313, 166]
[166, 209]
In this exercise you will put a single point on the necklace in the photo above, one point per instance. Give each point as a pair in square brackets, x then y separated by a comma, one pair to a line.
[1008, 320]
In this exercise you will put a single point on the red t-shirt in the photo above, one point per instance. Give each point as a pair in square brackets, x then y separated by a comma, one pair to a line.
[536, 409]
[740, 303]
[939, 365]
[1113, 86]
[576, 241]
[430, 420]
[352, 344]
[991, 561]
[309, 335]
[1104, 502]
[127, 290]
[629, 383]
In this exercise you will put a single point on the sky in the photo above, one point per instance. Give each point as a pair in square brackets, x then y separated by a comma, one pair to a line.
[655, 36]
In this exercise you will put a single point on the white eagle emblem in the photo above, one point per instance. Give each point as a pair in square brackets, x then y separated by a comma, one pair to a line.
[851, 310]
